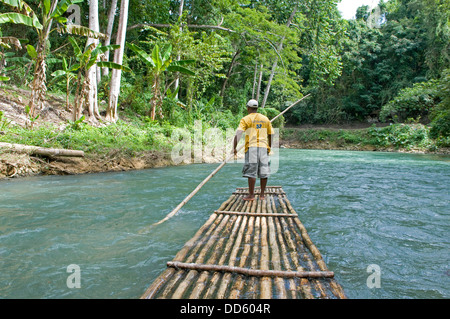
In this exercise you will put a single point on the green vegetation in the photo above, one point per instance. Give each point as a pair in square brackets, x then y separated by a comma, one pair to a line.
[203, 60]
[399, 137]
[407, 137]
[412, 103]
[123, 138]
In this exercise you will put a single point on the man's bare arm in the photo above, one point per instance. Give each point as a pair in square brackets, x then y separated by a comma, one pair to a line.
[237, 138]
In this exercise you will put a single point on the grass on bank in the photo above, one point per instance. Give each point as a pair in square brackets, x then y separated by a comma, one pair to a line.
[400, 137]
[136, 136]
[125, 138]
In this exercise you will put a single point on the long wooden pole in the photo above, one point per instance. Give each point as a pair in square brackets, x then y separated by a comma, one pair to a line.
[252, 272]
[173, 212]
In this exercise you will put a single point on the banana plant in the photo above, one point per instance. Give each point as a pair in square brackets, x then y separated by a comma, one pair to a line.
[51, 11]
[6, 43]
[159, 62]
[68, 74]
[87, 59]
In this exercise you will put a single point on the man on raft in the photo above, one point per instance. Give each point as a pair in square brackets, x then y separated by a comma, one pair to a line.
[258, 141]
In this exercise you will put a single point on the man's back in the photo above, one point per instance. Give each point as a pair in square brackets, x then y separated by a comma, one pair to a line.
[257, 127]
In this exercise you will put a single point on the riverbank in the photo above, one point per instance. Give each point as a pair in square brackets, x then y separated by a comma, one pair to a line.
[381, 137]
[14, 164]
[125, 146]
[134, 143]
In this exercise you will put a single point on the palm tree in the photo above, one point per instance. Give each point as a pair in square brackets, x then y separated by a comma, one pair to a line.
[158, 63]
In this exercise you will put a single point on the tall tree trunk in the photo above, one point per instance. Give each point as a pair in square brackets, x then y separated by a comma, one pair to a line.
[254, 80]
[111, 112]
[258, 90]
[81, 96]
[39, 87]
[155, 102]
[177, 79]
[230, 69]
[67, 94]
[274, 66]
[93, 98]
[109, 28]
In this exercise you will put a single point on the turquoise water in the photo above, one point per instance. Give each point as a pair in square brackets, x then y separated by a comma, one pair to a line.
[360, 209]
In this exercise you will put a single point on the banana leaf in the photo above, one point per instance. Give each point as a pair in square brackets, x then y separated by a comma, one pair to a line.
[112, 65]
[19, 18]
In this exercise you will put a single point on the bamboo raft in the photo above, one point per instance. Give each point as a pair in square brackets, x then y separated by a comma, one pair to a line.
[247, 250]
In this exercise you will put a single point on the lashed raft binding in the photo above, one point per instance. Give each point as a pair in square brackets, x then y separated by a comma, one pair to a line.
[257, 249]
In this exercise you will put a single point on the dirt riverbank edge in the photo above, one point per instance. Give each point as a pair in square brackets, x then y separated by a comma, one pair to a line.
[15, 165]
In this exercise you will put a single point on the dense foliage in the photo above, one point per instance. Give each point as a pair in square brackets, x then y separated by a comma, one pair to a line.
[388, 64]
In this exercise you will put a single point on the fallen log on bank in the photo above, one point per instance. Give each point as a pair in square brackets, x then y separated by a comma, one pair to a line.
[36, 150]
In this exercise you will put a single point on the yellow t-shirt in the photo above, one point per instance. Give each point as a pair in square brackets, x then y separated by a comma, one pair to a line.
[257, 128]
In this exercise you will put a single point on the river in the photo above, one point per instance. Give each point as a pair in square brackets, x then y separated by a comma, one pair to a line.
[361, 209]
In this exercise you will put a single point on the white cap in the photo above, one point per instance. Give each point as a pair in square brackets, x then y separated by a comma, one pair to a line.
[252, 103]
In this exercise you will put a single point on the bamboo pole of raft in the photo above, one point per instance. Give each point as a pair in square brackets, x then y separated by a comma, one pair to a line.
[162, 279]
[239, 282]
[336, 289]
[227, 277]
[284, 253]
[233, 256]
[305, 287]
[218, 249]
[216, 276]
[167, 275]
[201, 281]
[172, 283]
[212, 239]
[275, 260]
[254, 282]
[253, 214]
[191, 274]
[208, 240]
[266, 282]
[300, 247]
[225, 253]
[184, 201]
[250, 272]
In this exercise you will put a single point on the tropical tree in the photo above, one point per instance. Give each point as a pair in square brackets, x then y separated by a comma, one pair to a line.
[158, 63]
[6, 43]
[50, 11]
[116, 74]
[86, 60]
[68, 74]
